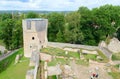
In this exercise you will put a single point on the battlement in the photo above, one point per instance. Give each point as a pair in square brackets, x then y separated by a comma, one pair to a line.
[35, 25]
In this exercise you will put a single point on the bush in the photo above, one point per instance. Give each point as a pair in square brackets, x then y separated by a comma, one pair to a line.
[5, 51]
[0, 53]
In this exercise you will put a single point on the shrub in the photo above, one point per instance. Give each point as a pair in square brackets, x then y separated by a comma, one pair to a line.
[5, 51]
[0, 53]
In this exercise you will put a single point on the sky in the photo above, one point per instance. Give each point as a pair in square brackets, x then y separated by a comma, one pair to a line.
[53, 5]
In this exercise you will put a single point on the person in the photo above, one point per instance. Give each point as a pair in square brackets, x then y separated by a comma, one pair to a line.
[91, 77]
[96, 76]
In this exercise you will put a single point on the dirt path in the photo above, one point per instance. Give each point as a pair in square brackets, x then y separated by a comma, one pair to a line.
[7, 54]
[83, 72]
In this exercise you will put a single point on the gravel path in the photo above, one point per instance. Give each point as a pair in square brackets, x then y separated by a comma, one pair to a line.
[7, 54]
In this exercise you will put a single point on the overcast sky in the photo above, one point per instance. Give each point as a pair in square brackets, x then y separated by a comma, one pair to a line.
[53, 5]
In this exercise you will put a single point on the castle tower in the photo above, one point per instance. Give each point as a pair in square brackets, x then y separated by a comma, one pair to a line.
[34, 35]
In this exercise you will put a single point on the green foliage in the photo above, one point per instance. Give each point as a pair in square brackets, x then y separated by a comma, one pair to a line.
[54, 77]
[8, 25]
[84, 26]
[118, 33]
[98, 23]
[0, 53]
[2, 43]
[12, 33]
[5, 51]
[5, 16]
[117, 66]
[32, 15]
[73, 33]
[4, 64]
[59, 36]
[56, 27]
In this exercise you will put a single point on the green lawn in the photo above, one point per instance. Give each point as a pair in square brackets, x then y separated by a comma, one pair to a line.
[94, 57]
[90, 56]
[59, 52]
[117, 66]
[115, 72]
[58, 60]
[54, 77]
[81, 62]
[115, 75]
[16, 71]
[116, 56]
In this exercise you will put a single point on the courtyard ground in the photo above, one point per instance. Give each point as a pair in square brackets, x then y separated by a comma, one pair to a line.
[84, 72]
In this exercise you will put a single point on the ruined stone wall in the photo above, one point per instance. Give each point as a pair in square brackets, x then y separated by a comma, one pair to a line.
[114, 45]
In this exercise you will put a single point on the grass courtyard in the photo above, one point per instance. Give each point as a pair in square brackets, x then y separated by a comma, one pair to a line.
[75, 55]
[16, 71]
[59, 52]
[116, 56]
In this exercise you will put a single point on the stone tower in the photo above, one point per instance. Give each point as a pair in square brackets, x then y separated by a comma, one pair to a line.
[34, 35]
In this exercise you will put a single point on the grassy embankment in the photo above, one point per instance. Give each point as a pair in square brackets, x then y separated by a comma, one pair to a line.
[10, 70]
[115, 72]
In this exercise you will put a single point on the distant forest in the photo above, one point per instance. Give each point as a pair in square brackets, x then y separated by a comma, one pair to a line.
[84, 26]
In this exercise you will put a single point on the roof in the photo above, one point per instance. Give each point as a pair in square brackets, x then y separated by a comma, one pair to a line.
[40, 23]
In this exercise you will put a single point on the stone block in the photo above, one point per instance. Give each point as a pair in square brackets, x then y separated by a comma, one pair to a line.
[30, 74]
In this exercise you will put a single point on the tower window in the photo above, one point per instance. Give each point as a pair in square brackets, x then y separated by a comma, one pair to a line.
[29, 25]
[33, 38]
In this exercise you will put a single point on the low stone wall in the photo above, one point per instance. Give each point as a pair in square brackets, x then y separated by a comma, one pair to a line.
[114, 45]
[35, 71]
[71, 49]
[45, 57]
[54, 70]
[89, 52]
[67, 45]
[78, 46]
[34, 61]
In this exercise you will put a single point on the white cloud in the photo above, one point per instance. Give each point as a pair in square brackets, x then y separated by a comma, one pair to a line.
[53, 4]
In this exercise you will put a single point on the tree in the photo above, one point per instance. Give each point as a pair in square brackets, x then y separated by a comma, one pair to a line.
[99, 23]
[60, 37]
[56, 24]
[5, 16]
[12, 33]
[17, 36]
[73, 28]
[7, 32]
[32, 15]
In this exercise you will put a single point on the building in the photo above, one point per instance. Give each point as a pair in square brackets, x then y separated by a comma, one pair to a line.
[34, 35]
